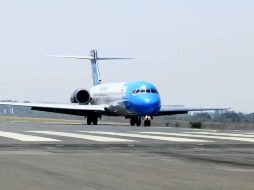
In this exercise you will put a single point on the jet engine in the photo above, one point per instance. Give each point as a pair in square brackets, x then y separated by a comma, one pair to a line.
[80, 96]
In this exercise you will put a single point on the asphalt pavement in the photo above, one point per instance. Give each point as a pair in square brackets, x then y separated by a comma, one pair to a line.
[76, 156]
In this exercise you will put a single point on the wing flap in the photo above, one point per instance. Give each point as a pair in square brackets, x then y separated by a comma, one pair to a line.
[184, 110]
[72, 109]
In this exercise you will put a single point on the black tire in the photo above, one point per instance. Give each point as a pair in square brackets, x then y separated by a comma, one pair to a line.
[147, 123]
[132, 121]
[95, 121]
[89, 121]
[138, 121]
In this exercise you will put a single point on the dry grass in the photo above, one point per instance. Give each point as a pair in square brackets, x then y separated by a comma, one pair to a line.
[36, 120]
[56, 120]
[206, 124]
[120, 121]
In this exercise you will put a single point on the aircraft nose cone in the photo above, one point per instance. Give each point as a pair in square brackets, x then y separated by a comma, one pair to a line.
[146, 105]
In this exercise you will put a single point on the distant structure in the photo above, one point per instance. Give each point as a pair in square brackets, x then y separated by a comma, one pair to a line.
[11, 110]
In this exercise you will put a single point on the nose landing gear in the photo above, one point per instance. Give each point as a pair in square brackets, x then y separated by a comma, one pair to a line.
[137, 121]
[147, 121]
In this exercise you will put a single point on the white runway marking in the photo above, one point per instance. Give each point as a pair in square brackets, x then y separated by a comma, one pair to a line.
[247, 133]
[22, 137]
[224, 134]
[202, 136]
[175, 139]
[82, 136]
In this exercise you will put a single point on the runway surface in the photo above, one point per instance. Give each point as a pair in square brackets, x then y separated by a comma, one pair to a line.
[73, 156]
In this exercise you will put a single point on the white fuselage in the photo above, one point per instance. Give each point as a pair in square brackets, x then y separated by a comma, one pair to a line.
[108, 93]
[111, 95]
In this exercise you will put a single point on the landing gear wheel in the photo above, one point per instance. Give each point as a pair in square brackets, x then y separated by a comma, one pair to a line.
[147, 123]
[92, 120]
[135, 121]
[89, 121]
[95, 120]
[132, 121]
[139, 121]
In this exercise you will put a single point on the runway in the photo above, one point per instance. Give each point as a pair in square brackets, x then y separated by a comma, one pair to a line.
[73, 156]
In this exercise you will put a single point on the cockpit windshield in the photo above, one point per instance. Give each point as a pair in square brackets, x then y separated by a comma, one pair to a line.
[137, 91]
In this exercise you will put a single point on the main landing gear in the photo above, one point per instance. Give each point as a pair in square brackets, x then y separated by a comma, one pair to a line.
[92, 119]
[137, 121]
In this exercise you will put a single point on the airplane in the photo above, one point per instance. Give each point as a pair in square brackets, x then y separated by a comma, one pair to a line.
[134, 100]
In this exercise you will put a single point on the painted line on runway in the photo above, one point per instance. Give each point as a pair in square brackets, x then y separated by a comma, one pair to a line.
[201, 136]
[29, 138]
[223, 134]
[163, 138]
[82, 136]
[247, 133]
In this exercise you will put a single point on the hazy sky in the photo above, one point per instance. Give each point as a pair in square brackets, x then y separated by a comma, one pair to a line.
[198, 53]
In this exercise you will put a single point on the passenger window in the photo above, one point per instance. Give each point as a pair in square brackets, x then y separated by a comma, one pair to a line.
[143, 90]
[137, 91]
[154, 91]
[133, 92]
[148, 91]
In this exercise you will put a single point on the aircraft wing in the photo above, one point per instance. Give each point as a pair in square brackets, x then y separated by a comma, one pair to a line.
[183, 110]
[72, 109]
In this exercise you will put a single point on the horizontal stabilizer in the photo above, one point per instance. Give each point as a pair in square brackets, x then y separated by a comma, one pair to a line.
[113, 58]
[71, 56]
[93, 57]
[88, 57]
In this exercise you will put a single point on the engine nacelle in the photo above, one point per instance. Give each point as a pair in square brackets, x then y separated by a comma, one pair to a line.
[80, 96]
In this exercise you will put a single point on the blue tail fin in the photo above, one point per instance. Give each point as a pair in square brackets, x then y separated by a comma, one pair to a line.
[95, 68]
